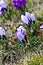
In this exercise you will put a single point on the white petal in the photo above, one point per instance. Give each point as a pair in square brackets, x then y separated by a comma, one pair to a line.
[0, 10]
[3, 4]
[41, 26]
[24, 19]
[27, 14]
[20, 28]
[2, 31]
[32, 17]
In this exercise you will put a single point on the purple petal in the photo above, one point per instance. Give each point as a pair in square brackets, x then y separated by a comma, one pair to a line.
[18, 3]
[41, 26]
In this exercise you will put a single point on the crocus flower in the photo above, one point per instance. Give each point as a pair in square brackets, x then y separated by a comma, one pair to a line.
[2, 33]
[21, 34]
[19, 3]
[3, 7]
[41, 27]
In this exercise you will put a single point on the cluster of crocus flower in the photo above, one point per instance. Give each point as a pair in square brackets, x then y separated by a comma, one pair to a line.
[28, 18]
[2, 33]
[3, 7]
[19, 3]
[21, 34]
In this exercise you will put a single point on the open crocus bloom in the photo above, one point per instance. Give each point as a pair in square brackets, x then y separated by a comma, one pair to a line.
[2, 33]
[24, 19]
[3, 7]
[41, 27]
[19, 3]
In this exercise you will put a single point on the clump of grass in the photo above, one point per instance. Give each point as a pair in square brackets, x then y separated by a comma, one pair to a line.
[36, 61]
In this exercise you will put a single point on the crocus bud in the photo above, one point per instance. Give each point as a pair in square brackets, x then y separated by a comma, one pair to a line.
[33, 18]
[2, 33]
[41, 27]
[24, 19]
[27, 14]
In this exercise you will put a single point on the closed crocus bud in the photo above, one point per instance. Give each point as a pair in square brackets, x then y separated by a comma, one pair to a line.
[24, 19]
[41, 27]
[33, 18]
[27, 14]
[22, 30]
[2, 33]
[3, 7]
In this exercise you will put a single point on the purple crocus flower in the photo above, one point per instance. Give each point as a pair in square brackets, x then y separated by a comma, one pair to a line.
[19, 3]
[3, 7]
[21, 34]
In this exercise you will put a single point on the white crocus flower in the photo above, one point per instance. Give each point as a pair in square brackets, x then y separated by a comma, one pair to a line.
[28, 15]
[24, 19]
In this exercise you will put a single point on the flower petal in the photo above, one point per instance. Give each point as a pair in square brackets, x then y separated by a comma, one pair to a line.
[2, 31]
[24, 19]
[27, 14]
[41, 26]
[32, 17]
